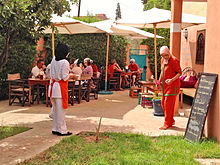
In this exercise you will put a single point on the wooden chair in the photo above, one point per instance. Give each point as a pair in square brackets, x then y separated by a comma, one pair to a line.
[139, 77]
[17, 89]
[85, 86]
[71, 92]
[95, 89]
[114, 82]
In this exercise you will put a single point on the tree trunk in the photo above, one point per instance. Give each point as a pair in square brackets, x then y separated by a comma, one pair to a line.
[4, 55]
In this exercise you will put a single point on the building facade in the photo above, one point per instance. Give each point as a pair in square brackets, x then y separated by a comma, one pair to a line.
[211, 57]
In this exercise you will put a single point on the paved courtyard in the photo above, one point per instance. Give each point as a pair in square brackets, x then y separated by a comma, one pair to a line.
[120, 114]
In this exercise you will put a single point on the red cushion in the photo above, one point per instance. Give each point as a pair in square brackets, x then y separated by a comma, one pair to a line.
[188, 84]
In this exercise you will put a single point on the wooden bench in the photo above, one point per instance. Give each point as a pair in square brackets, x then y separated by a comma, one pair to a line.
[187, 91]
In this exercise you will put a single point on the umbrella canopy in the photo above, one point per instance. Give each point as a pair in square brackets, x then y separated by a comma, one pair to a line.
[66, 25]
[160, 17]
[127, 31]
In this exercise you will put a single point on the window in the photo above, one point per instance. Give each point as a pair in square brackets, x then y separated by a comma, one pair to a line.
[200, 51]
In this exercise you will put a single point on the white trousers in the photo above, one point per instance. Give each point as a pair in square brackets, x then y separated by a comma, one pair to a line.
[59, 123]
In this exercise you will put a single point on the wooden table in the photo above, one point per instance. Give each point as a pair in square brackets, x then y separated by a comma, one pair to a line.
[144, 86]
[129, 74]
[157, 90]
[34, 81]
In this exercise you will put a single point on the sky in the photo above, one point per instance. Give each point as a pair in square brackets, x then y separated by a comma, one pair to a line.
[108, 7]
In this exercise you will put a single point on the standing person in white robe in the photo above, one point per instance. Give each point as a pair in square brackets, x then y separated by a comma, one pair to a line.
[59, 73]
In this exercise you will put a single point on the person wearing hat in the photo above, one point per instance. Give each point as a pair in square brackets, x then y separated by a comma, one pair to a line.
[169, 79]
[88, 68]
[134, 69]
[59, 73]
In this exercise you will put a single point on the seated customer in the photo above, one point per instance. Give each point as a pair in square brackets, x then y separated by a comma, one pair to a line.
[74, 68]
[133, 67]
[37, 70]
[88, 68]
[96, 72]
[114, 67]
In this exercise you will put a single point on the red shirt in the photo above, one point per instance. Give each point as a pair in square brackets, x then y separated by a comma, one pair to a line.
[94, 68]
[169, 71]
[111, 70]
[133, 67]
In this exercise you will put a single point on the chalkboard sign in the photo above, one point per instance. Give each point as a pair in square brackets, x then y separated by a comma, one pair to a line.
[200, 106]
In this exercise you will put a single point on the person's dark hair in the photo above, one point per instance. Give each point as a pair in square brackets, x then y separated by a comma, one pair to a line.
[39, 61]
[72, 60]
[61, 51]
[113, 61]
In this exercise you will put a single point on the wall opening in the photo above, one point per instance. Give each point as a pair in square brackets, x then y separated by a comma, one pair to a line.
[200, 49]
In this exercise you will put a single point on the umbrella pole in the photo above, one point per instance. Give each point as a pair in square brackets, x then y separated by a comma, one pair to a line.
[106, 65]
[106, 70]
[53, 43]
[155, 50]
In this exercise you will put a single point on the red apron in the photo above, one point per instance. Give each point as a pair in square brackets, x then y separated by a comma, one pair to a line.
[64, 91]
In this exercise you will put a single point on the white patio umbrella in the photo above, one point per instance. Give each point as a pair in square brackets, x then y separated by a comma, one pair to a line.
[159, 18]
[162, 17]
[66, 25]
[127, 31]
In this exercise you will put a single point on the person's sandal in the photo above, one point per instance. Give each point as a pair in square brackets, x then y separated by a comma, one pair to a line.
[65, 134]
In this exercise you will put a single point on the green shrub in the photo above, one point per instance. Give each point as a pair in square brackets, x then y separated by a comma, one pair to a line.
[20, 59]
[92, 46]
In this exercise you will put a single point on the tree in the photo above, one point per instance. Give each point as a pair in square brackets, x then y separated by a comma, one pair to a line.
[161, 4]
[17, 15]
[118, 12]
[144, 1]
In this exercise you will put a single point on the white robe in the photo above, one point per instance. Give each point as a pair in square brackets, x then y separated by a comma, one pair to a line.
[59, 70]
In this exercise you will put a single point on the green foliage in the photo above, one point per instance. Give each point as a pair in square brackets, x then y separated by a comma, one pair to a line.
[18, 33]
[161, 4]
[88, 19]
[92, 46]
[120, 148]
[160, 42]
[17, 15]
[144, 1]
[20, 59]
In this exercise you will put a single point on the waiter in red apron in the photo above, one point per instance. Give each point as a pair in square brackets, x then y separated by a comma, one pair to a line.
[59, 73]
[169, 79]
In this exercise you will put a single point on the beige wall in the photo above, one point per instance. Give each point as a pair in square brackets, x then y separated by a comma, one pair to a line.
[212, 64]
[197, 8]
[188, 49]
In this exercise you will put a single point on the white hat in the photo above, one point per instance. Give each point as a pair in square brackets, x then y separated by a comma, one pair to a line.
[132, 60]
[86, 59]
